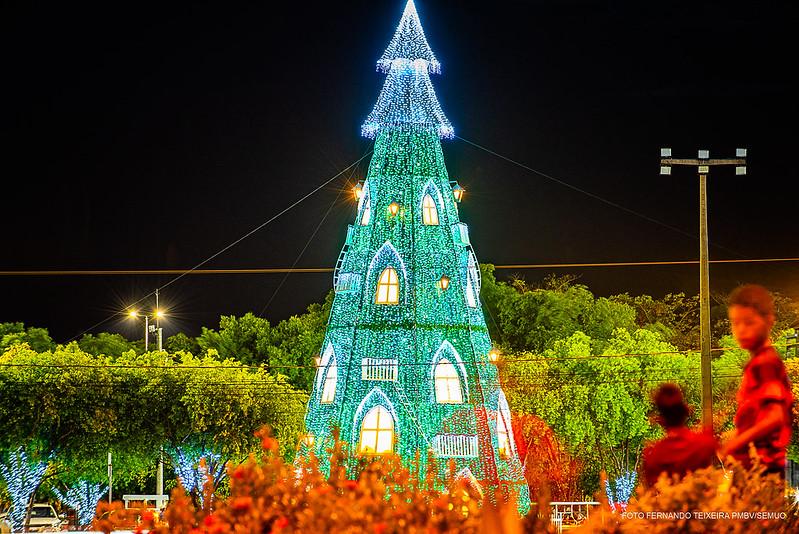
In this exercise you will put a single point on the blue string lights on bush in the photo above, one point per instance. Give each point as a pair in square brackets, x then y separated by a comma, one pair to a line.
[83, 498]
[193, 467]
[408, 98]
[625, 485]
[22, 478]
[407, 303]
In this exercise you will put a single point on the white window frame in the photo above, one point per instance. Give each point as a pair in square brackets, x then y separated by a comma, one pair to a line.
[505, 445]
[369, 441]
[429, 210]
[380, 369]
[365, 206]
[448, 387]
[387, 291]
[329, 384]
[455, 446]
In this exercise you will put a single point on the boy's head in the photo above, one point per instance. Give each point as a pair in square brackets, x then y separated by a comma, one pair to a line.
[751, 312]
[671, 405]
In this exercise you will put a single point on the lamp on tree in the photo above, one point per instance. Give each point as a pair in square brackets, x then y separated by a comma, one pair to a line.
[457, 192]
[393, 209]
[358, 190]
[443, 283]
[493, 355]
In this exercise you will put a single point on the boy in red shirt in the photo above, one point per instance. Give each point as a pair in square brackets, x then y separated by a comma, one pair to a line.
[764, 397]
[681, 450]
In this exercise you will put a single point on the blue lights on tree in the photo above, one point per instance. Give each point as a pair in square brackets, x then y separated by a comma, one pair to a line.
[22, 480]
[625, 485]
[193, 467]
[83, 498]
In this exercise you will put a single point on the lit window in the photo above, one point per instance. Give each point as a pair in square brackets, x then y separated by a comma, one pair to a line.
[377, 432]
[329, 390]
[504, 434]
[471, 298]
[367, 213]
[387, 287]
[429, 211]
[364, 205]
[448, 383]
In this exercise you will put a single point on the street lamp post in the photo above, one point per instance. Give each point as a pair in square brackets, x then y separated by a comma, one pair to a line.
[157, 314]
[703, 163]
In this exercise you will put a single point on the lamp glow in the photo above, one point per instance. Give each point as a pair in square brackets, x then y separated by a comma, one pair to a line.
[133, 313]
[493, 355]
[393, 209]
[458, 192]
[358, 190]
[443, 283]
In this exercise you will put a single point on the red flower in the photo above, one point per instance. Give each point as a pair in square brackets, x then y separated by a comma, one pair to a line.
[147, 515]
[209, 520]
[241, 504]
[281, 522]
[240, 472]
[380, 528]
[350, 484]
[269, 444]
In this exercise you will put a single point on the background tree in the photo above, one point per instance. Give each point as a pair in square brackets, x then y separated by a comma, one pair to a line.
[15, 333]
[105, 344]
[596, 395]
[72, 408]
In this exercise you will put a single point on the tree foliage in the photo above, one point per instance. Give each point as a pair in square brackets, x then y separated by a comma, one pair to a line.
[596, 394]
[73, 407]
[16, 333]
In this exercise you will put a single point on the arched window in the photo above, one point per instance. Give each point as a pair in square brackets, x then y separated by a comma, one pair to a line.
[329, 389]
[365, 205]
[504, 432]
[429, 211]
[448, 383]
[387, 287]
[471, 296]
[377, 432]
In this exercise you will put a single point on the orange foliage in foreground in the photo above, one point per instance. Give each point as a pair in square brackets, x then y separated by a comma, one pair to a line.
[268, 495]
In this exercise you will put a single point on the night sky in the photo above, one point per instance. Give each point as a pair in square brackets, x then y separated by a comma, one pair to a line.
[151, 135]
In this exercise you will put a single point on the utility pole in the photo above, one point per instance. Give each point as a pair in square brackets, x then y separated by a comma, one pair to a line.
[158, 330]
[794, 345]
[110, 478]
[703, 163]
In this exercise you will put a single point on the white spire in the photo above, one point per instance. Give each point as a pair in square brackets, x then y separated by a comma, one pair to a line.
[409, 43]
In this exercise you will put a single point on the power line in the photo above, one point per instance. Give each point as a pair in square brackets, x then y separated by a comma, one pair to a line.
[231, 245]
[316, 270]
[588, 193]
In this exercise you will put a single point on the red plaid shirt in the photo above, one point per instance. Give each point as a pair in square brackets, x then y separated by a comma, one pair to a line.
[764, 382]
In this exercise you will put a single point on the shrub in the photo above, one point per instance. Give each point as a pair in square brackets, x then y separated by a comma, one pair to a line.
[707, 500]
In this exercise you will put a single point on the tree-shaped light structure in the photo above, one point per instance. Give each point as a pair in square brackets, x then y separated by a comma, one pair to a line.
[83, 498]
[22, 479]
[405, 365]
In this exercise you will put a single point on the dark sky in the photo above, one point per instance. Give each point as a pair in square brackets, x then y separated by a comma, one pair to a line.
[151, 135]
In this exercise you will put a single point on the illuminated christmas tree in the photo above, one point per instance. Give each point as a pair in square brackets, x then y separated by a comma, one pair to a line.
[407, 363]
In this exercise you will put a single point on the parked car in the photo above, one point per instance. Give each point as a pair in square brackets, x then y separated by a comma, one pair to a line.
[44, 519]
